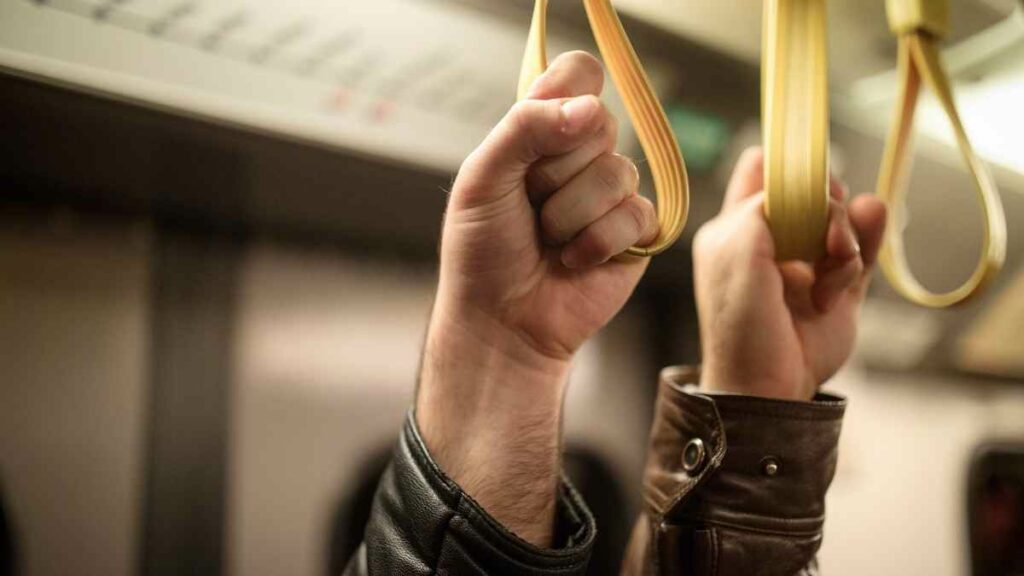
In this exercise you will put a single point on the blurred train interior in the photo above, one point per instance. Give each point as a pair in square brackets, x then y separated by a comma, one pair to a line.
[218, 246]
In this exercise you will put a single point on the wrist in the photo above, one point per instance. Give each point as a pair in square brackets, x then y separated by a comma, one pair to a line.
[734, 378]
[471, 343]
[490, 410]
[478, 380]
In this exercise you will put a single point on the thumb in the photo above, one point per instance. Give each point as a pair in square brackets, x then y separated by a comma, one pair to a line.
[532, 129]
[748, 227]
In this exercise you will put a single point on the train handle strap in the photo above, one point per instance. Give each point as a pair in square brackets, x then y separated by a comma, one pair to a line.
[918, 25]
[794, 122]
[659, 144]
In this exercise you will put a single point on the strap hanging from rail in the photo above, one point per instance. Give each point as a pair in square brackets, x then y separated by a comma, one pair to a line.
[795, 116]
[656, 138]
[919, 24]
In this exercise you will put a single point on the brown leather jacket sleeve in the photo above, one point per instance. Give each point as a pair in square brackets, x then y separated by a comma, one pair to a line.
[734, 485]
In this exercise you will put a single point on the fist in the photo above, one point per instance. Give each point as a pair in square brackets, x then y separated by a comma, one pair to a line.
[538, 214]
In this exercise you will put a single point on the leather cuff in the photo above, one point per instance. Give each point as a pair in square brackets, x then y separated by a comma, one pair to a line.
[743, 462]
[441, 530]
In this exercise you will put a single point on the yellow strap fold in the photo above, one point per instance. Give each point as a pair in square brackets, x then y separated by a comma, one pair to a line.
[656, 138]
[918, 23]
[795, 116]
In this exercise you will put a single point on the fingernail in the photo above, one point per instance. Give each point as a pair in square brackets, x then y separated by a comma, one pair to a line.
[577, 112]
[636, 171]
[570, 259]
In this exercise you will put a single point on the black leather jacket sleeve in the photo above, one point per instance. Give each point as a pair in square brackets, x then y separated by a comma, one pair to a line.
[423, 523]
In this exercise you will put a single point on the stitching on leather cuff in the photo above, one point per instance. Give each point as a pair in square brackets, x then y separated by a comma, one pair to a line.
[680, 418]
[822, 407]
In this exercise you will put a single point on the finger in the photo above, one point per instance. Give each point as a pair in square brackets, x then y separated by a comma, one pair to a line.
[868, 216]
[575, 73]
[741, 233]
[837, 188]
[550, 174]
[841, 267]
[798, 282]
[531, 130]
[633, 222]
[841, 242]
[833, 278]
[747, 178]
[599, 188]
[747, 228]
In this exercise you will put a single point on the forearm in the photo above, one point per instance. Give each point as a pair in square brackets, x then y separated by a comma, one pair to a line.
[490, 411]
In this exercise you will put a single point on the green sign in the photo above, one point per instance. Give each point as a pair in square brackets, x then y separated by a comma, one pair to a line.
[702, 136]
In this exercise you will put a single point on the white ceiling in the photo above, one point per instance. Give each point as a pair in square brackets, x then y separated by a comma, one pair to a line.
[860, 41]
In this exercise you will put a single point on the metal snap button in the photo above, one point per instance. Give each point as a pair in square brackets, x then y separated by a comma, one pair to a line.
[693, 455]
[770, 466]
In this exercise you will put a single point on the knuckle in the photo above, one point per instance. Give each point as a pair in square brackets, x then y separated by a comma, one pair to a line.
[639, 211]
[750, 155]
[526, 118]
[610, 132]
[700, 241]
[551, 222]
[858, 267]
[838, 208]
[602, 110]
[530, 121]
[616, 174]
[518, 117]
[650, 211]
[520, 108]
[585, 62]
[468, 164]
[700, 236]
[600, 246]
[470, 171]
[704, 240]
[541, 177]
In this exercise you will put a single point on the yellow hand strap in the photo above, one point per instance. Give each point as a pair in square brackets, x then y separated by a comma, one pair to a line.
[918, 23]
[656, 138]
[794, 112]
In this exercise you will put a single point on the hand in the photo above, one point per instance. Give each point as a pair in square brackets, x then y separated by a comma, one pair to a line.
[779, 329]
[536, 215]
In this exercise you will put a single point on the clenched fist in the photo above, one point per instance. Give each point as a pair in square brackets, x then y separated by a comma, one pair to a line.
[536, 214]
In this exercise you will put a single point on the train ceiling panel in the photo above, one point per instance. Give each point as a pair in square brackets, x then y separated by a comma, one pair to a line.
[409, 80]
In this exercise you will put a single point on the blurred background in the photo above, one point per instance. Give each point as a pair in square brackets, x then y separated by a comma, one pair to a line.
[218, 224]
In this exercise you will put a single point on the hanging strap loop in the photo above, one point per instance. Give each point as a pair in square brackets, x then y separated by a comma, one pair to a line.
[795, 116]
[659, 144]
[919, 24]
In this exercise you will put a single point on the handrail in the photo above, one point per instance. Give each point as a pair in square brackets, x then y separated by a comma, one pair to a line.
[657, 140]
[919, 24]
[795, 117]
